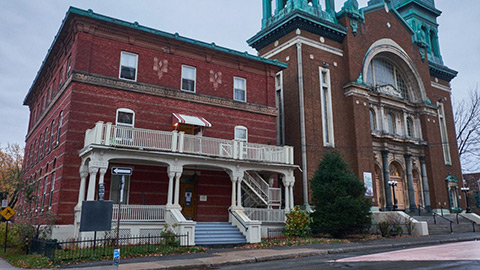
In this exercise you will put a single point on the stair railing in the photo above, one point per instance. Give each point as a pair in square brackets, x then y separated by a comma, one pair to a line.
[441, 216]
[473, 222]
[239, 221]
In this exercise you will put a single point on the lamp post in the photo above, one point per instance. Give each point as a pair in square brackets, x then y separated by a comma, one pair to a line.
[465, 190]
[393, 184]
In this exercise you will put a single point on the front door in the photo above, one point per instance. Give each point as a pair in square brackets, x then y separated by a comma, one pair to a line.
[188, 199]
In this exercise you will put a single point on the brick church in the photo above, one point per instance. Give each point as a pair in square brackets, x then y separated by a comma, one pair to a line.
[213, 136]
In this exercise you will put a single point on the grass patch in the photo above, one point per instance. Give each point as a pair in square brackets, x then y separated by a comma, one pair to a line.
[18, 258]
[292, 241]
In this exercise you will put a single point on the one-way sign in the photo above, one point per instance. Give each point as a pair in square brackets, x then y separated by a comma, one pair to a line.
[121, 171]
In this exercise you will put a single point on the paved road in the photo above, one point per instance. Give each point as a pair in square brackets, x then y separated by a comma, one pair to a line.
[464, 255]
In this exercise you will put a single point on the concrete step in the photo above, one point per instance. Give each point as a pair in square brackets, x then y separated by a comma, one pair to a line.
[218, 233]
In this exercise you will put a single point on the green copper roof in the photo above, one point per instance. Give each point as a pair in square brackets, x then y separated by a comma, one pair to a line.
[89, 13]
[451, 178]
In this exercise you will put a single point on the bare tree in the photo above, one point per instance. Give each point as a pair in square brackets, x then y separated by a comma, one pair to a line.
[467, 125]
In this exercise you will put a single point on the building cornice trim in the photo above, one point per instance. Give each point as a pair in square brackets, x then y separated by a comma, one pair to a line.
[143, 88]
[441, 86]
[305, 41]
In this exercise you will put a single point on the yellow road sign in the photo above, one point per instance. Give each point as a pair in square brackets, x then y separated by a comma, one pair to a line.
[7, 213]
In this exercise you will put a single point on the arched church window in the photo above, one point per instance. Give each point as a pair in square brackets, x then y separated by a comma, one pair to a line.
[409, 127]
[391, 123]
[386, 77]
[373, 120]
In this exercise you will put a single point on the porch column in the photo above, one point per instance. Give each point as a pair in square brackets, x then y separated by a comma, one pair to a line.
[287, 195]
[171, 175]
[101, 177]
[386, 179]
[83, 181]
[177, 188]
[234, 191]
[292, 204]
[411, 191]
[239, 192]
[92, 183]
[426, 192]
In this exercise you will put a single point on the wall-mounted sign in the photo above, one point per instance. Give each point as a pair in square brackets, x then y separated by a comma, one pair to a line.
[203, 198]
[368, 183]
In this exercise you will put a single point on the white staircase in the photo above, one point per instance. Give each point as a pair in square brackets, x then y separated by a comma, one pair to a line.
[257, 192]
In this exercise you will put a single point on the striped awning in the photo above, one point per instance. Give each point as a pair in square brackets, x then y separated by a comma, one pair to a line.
[191, 120]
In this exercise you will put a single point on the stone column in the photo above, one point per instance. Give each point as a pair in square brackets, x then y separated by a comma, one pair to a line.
[177, 188]
[287, 195]
[234, 191]
[83, 182]
[171, 176]
[411, 190]
[386, 178]
[426, 192]
[292, 204]
[92, 183]
[239, 192]
[101, 177]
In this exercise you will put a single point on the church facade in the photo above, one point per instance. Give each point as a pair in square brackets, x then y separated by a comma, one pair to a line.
[209, 134]
[370, 83]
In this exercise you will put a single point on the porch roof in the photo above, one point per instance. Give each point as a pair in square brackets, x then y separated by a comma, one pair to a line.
[191, 120]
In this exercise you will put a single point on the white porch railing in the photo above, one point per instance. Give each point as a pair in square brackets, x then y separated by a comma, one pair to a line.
[150, 213]
[119, 136]
[266, 215]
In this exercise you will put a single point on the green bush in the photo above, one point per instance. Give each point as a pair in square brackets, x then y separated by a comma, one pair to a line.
[298, 223]
[341, 207]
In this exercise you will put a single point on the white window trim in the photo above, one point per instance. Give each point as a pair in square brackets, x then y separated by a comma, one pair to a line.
[235, 133]
[327, 84]
[245, 90]
[194, 79]
[120, 66]
[126, 110]
[444, 134]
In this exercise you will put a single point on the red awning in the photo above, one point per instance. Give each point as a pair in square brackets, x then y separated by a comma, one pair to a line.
[191, 120]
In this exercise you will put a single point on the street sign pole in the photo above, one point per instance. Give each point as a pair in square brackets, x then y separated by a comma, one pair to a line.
[120, 199]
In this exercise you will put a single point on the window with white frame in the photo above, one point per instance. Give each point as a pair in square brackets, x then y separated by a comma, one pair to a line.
[189, 75]
[444, 134]
[382, 72]
[239, 89]
[128, 66]
[279, 103]
[125, 121]
[241, 133]
[326, 107]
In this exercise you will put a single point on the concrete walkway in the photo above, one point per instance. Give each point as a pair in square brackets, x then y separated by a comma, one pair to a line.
[229, 256]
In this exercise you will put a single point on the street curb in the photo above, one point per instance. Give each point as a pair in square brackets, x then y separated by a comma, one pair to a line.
[294, 255]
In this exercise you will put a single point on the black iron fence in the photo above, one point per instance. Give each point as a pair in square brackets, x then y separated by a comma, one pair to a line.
[102, 248]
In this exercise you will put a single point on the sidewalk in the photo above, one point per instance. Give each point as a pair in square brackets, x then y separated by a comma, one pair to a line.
[230, 256]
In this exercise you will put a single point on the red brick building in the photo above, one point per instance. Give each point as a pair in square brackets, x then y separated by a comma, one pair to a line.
[370, 83]
[195, 122]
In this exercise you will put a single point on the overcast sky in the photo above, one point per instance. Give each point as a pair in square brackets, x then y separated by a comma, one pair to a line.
[27, 29]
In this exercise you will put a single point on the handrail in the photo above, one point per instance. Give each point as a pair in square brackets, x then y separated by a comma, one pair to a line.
[241, 223]
[435, 220]
[473, 222]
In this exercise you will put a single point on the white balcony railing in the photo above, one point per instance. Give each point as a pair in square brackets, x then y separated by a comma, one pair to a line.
[151, 213]
[266, 215]
[147, 139]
